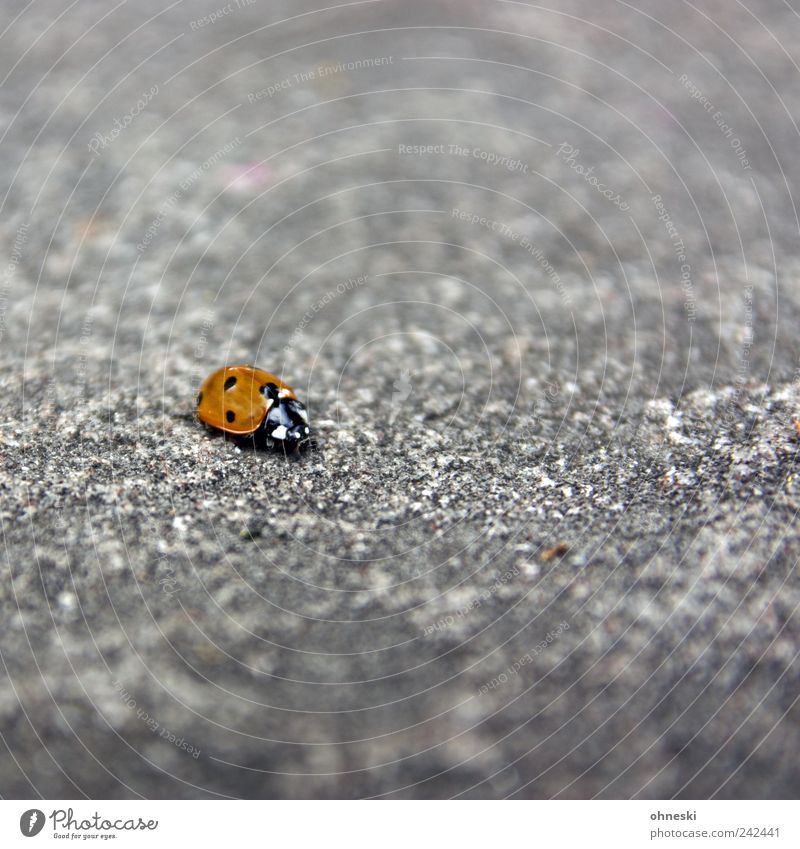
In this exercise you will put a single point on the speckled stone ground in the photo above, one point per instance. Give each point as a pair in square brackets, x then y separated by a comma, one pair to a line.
[535, 274]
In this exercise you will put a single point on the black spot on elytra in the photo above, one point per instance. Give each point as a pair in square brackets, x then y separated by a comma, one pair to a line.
[269, 390]
[229, 384]
[199, 398]
[230, 415]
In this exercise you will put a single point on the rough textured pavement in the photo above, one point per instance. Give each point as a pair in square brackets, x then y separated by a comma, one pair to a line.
[535, 273]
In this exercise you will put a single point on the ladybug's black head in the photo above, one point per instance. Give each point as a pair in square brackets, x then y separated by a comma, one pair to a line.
[286, 424]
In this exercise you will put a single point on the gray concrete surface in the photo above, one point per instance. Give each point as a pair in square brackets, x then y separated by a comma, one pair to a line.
[547, 543]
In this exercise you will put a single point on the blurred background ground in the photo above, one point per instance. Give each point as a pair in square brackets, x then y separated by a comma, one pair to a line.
[547, 543]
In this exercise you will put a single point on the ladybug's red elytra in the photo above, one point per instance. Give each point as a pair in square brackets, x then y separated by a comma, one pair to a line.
[250, 403]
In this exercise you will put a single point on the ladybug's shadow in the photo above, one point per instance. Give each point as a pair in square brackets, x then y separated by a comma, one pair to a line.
[276, 448]
[262, 446]
[311, 446]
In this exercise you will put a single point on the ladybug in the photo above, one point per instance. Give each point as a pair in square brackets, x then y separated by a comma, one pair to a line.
[251, 404]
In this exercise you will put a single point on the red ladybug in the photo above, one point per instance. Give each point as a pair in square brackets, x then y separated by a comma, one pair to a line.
[249, 403]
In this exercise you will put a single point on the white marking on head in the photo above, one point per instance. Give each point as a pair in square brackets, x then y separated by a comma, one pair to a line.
[279, 432]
